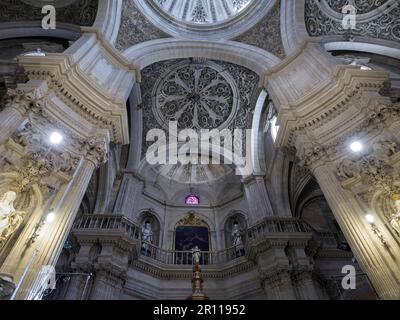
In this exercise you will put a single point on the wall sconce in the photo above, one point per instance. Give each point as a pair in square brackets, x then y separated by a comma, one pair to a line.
[48, 218]
[371, 220]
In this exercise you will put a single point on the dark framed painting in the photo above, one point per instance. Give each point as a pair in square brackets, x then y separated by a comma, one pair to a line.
[186, 238]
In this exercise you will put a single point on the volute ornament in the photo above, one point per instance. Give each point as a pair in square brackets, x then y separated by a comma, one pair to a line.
[347, 169]
[384, 149]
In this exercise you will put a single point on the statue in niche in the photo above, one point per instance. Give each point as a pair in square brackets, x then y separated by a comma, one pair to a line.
[147, 237]
[395, 218]
[237, 239]
[196, 253]
[10, 219]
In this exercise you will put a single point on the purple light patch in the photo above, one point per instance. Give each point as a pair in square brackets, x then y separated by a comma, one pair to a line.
[192, 200]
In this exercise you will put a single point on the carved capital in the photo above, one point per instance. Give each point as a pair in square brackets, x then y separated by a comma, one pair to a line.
[23, 101]
[95, 149]
[312, 155]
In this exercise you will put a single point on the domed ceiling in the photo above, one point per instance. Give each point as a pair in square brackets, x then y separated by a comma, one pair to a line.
[197, 94]
[202, 11]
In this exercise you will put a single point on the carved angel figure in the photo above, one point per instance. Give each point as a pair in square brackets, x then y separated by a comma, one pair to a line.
[10, 219]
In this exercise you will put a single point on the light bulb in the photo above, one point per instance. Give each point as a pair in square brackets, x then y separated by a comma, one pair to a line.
[356, 146]
[56, 138]
[370, 218]
[50, 217]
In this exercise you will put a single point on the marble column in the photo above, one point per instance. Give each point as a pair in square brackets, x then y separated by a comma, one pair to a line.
[53, 235]
[257, 198]
[380, 265]
[11, 119]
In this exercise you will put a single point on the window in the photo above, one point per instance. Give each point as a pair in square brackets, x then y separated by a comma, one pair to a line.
[274, 128]
[192, 199]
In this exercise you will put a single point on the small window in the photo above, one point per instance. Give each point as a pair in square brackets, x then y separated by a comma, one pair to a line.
[192, 199]
[274, 128]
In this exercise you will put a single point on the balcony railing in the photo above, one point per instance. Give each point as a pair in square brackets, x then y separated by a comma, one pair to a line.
[98, 222]
[186, 257]
[276, 225]
[118, 223]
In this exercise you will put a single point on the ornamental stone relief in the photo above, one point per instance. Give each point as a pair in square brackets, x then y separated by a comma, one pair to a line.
[135, 28]
[31, 139]
[198, 94]
[269, 28]
[382, 26]
[202, 11]
[193, 174]
[80, 12]
[362, 6]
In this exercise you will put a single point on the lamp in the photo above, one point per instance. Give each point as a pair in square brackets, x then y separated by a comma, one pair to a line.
[356, 146]
[56, 138]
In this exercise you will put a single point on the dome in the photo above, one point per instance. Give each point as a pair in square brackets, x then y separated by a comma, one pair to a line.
[204, 19]
[203, 11]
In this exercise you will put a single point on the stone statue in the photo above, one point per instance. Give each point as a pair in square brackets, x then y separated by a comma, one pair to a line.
[147, 236]
[196, 253]
[395, 218]
[237, 241]
[10, 219]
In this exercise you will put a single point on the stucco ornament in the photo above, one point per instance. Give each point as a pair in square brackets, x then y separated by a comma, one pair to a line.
[395, 218]
[10, 219]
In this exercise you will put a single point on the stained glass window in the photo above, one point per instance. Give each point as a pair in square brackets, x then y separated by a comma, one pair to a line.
[192, 199]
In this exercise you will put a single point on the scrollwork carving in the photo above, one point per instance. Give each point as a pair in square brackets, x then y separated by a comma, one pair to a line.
[347, 169]
[32, 139]
[95, 149]
[384, 25]
[312, 154]
[22, 101]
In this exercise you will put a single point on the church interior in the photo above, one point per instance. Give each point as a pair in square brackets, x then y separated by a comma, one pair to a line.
[200, 149]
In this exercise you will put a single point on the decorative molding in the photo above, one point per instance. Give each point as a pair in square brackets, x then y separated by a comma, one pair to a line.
[266, 34]
[79, 12]
[384, 25]
[135, 28]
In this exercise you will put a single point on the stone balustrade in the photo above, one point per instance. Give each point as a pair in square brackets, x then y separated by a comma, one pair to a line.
[102, 224]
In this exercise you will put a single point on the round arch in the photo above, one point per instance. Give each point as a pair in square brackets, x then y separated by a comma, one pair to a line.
[253, 58]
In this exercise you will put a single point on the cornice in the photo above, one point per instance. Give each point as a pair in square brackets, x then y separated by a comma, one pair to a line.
[318, 108]
[116, 55]
[168, 272]
[79, 92]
